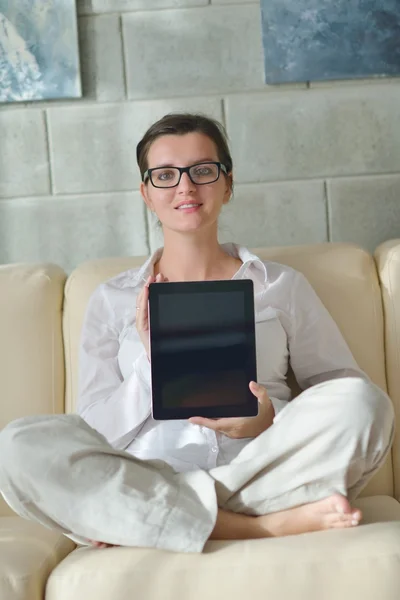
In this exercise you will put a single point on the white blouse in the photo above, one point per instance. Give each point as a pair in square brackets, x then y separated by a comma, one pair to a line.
[114, 380]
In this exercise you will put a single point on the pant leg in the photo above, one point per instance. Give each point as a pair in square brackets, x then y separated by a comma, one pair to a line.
[58, 471]
[332, 438]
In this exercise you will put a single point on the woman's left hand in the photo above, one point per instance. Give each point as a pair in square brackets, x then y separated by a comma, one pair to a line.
[244, 427]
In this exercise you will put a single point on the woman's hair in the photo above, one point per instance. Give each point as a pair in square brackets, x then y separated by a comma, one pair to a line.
[179, 124]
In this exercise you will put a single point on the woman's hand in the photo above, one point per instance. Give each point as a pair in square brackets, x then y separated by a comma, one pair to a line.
[244, 427]
[142, 312]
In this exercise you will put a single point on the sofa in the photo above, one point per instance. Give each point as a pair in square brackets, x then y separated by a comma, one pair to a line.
[41, 314]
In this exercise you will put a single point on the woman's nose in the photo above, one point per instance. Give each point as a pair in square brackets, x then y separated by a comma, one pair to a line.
[186, 183]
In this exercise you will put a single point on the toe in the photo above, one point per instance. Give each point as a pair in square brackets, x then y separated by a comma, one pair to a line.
[340, 504]
[356, 514]
[342, 525]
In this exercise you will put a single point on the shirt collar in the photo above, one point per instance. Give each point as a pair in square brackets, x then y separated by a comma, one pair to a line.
[246, 256]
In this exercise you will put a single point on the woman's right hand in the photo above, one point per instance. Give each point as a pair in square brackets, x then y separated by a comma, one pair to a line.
[142, 312]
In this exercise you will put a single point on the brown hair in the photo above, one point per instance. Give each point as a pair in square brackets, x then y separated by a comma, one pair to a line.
[179, 124]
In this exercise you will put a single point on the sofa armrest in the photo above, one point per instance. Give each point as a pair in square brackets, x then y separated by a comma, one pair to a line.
[28, 555]
[31, 343]
[387, 257]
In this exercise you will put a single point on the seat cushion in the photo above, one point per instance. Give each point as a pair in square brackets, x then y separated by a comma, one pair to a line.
[355, 563]
[28, 554]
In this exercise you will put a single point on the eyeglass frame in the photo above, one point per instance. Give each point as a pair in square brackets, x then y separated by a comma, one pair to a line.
[221, 167]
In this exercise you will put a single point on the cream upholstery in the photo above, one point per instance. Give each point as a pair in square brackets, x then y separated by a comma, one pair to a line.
[31, 382]
[31, 347]
[327, 565]
[358, 563]
[388, 260]
[28, 554]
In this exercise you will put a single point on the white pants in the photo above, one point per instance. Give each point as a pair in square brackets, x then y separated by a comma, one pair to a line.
[60, 472]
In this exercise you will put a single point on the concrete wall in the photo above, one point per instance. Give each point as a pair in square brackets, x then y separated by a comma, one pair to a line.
[313, 162]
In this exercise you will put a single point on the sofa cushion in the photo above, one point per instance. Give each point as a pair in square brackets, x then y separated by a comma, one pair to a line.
[32, 358]
[354, 563]
[28, 554]
[343, 275]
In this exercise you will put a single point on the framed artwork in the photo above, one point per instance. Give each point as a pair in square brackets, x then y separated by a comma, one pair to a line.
[39, 55]
[315, 40]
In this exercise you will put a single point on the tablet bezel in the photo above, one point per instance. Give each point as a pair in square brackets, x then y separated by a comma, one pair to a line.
[249, 408]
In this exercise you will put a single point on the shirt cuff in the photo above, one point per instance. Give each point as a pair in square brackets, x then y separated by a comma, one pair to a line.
[143, 368]
[278, 405]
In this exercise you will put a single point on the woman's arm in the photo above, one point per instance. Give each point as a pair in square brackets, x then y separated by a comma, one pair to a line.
[115, 408]
[318, 351]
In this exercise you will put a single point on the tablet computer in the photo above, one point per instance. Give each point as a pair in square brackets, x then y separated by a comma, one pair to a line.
[203, 349]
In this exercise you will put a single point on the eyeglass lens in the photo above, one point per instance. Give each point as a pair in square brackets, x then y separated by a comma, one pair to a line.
[200, 174]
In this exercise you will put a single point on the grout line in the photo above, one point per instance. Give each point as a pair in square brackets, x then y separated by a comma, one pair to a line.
[147, 227]
[268, 91]
[226, 4]
[131, 190]
[328, 212]
[321, 176]
[159, 9]
[223, 112]
[48, 150]
[123, 51]
[49, 197]
[101, 193]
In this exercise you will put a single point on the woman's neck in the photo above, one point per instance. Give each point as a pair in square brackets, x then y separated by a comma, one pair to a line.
[186, 259]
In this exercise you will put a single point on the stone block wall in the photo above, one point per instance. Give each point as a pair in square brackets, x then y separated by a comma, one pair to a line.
[313, 162]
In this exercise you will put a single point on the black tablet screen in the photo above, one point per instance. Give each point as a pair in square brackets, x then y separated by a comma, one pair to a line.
[203, 349]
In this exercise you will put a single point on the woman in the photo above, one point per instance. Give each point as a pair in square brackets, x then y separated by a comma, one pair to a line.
[114, 475]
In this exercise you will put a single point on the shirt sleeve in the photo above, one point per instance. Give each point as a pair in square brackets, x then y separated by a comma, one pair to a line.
[278, 404]
[317, 349]
[115, 407]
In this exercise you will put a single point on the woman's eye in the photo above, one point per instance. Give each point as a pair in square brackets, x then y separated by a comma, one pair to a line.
[165, 175]
[201, 171]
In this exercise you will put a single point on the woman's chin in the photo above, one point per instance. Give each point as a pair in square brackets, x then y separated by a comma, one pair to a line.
[188, 227]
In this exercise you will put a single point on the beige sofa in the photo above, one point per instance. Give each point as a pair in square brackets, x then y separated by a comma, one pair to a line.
[41, 314]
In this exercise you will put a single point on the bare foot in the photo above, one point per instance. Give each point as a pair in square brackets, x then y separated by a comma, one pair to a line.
[334, 512]
[100, 545]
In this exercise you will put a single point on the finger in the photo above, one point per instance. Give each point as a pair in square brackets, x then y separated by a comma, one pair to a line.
[139, 298]
[217, 424]
[259, 391]
[210, 423]
[140, 295]
[142, 317]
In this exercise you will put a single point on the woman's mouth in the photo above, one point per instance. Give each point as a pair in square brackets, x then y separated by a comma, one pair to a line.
[189, 206]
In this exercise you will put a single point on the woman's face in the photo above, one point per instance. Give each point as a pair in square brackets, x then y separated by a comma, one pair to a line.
[184, 151]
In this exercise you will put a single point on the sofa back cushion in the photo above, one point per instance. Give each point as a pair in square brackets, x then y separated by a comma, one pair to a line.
[31, 354]
[344, 276]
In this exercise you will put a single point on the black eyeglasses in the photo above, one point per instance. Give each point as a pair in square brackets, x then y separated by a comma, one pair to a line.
[199, 174]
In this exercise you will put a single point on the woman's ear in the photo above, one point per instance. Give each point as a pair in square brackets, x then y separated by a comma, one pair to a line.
[145, 196]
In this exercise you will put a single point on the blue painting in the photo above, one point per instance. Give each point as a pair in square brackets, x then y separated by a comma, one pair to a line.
[314, 40]
[39, 56]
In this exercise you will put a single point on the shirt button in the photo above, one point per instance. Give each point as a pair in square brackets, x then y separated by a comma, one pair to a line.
[214, 449]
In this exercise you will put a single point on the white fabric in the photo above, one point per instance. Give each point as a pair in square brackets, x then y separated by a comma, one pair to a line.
[60, 472]
[114, 391]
